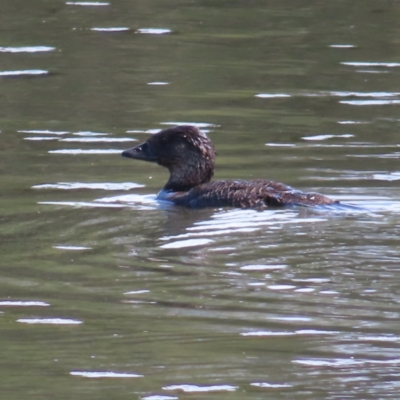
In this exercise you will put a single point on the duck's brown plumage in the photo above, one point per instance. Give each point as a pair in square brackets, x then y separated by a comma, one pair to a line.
[190, 158]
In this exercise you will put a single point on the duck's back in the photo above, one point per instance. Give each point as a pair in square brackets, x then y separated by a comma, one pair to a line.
[246, 194]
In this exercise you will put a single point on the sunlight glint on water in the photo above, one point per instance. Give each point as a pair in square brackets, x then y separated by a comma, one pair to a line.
[108, 293]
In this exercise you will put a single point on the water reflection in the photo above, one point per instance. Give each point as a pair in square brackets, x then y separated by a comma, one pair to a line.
[73, 248]
[87, 185]
[41, 138]
[26, 49]
[342, 46]
[20, 303]
[370, 102]
[99, 374]
[98, 140]
[44, 132]
[113, 294]
[199, 389]
[153, 31]
[377, 95]
[115, 29]
[87, 3]
[22, 73]
[325, 137]
[200, 125]
[51, 321]
[372, 64]
[86, 151]
[158, 83]
[352, 122]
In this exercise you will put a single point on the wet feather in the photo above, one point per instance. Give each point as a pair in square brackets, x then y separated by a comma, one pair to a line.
[190, 158]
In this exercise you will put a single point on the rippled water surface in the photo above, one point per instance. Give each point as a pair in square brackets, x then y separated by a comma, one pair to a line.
[107, 293]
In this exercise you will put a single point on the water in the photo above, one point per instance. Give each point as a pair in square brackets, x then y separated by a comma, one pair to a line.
[106, 293]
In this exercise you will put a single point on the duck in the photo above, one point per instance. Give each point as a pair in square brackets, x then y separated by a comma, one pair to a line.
[189, 156]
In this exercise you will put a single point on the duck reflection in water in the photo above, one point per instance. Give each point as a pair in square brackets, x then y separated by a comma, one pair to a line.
[190, 158]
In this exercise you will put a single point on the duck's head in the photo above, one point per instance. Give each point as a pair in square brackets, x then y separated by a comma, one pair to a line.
[186, 152]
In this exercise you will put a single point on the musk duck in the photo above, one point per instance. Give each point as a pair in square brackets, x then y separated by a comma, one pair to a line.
[189, 156]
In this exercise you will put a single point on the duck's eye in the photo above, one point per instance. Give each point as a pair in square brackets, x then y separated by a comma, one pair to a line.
[143, 147]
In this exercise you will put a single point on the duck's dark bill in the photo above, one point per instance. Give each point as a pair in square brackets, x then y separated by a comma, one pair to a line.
[139, 153]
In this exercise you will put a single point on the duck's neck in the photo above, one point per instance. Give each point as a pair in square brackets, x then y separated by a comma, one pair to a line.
[185, 177]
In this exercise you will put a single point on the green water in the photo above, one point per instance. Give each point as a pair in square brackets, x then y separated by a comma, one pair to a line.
[105, 293]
